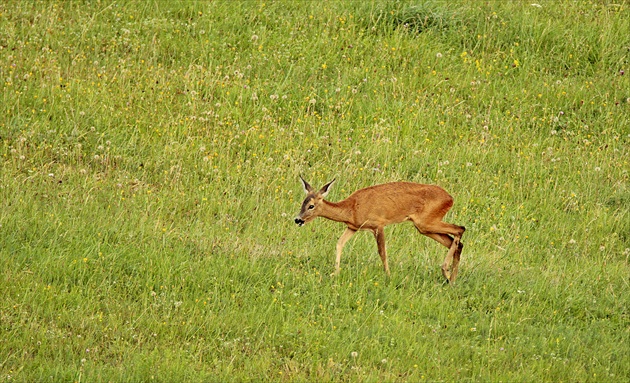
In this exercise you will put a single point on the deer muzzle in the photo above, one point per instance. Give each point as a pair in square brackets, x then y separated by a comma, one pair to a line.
[299, 221]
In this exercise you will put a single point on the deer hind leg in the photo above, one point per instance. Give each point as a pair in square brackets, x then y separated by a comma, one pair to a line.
[442, 232]
[340, 244]
[380, 241]
[455, 266]
[447, 241]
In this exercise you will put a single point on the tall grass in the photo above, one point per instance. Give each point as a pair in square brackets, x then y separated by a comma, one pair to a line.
[149, 154]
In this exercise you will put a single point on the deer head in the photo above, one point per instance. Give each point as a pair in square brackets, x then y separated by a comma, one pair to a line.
[312, 203]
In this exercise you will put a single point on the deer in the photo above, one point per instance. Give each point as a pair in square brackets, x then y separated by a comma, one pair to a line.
[374, 207]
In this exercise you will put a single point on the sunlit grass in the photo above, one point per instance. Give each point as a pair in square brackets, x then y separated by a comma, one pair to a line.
[149, 161]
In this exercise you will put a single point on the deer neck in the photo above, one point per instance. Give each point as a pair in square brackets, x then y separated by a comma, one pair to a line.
[337, 211]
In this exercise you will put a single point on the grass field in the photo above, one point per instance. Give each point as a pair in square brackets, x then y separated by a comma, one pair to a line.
[149, 162]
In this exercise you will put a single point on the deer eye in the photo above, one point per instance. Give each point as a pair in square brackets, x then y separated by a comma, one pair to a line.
[311, 207]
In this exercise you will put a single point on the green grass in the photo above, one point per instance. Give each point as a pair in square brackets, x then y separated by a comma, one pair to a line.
[149, 162]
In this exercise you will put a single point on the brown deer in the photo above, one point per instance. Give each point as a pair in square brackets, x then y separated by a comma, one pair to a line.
[375, 207]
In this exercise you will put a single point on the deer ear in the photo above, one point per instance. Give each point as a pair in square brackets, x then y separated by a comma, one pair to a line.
[325, 189]
[307, 188]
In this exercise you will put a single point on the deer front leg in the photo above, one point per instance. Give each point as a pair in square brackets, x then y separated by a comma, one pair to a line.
[340, 244]
[380, 241]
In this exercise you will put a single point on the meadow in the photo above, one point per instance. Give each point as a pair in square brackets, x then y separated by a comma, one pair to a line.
[150, 154]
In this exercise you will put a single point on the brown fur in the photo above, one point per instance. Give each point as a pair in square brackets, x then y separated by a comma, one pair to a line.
[375, 207]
